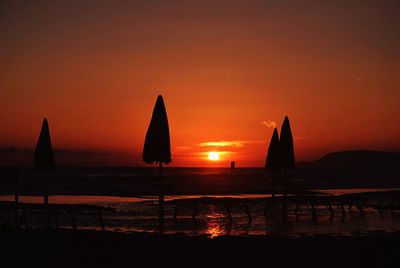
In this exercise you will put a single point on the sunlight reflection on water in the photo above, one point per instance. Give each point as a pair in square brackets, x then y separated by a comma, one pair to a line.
[140, 214]
[214, 229]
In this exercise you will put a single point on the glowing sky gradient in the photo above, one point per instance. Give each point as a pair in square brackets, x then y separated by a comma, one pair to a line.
[228, 71]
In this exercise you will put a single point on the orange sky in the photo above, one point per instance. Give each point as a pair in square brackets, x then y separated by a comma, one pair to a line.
[95, 68]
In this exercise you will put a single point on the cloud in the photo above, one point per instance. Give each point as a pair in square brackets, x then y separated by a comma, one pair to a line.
[358, 78]
[269, 123]
[182, 147]
[222, 144]
[224, 148]
[234, 144]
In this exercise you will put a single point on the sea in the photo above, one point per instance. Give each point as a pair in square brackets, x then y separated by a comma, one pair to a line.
[137, 210]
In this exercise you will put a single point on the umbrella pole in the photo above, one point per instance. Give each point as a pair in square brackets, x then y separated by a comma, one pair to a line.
[46, 199]
[161, 203]
[284, 205]
[46, 190]
[285, 182]
[273, 175]
[16, 200]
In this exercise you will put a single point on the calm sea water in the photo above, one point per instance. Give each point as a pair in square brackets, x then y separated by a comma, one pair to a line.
[139, 214]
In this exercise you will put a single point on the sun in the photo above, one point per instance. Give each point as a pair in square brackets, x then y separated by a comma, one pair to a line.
[213, 156]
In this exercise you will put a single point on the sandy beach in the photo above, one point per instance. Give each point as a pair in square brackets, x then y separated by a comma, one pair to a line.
[106, 249]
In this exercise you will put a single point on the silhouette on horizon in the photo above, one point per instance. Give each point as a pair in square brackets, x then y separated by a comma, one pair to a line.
[287, 148]
[157, 147]
[280, 155]
[44, 160]
[273, 162]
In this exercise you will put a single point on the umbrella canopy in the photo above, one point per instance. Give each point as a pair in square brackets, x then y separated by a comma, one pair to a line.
[286, 146]
[157, 146]
[44, 160]
[273, 162]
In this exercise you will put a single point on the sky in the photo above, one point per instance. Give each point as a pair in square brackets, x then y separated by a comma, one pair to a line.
[229, 72]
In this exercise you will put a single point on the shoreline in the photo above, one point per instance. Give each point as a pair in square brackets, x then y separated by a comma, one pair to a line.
[155, 193]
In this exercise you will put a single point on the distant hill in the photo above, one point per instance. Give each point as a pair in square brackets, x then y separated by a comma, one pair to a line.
[362, 160]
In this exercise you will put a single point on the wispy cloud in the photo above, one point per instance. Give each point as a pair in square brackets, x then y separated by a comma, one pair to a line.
[182, 147]
[358, 78]
[268, 123]
[222, 144]
[234, 144]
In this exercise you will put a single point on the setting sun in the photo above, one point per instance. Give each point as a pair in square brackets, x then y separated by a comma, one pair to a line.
[213, 156]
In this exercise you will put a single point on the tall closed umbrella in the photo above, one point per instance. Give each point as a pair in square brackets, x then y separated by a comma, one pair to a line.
[44, 160]
[287, 148]
[273, 162]
[287, 152]
[157, 146]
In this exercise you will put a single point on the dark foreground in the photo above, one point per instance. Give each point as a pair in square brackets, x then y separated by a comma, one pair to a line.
[38, 248]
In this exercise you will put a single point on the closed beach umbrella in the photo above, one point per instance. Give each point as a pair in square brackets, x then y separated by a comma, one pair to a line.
[287, 153]
[157, 147]
[286, 144]
[287, 149]
[44, 160]
[273, 162]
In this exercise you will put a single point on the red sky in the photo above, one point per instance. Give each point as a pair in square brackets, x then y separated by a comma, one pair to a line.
[95, 68]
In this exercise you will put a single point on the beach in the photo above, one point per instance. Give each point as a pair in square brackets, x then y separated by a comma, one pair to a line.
[131, 237]
[108, 249]
[139, 214]
[131, 193]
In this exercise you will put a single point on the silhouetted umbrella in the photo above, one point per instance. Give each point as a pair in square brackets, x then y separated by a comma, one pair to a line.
[157, 144]
[44, 160]
[157, 147]
[273, 162]
[286, 144]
